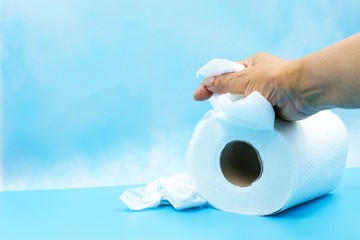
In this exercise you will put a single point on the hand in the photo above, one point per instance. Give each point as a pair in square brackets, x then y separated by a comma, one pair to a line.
[275, 78]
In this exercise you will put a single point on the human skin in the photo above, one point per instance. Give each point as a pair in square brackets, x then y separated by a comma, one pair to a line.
[328, 78]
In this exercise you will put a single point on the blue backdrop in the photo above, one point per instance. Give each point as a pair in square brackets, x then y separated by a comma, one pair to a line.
[100, 92]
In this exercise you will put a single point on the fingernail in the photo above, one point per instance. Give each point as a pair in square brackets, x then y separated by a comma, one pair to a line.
[208, 81]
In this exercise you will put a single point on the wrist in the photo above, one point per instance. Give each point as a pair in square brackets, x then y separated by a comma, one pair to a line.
[304, 90]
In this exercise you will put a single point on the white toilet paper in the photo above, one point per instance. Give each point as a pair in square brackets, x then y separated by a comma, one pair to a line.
[241, 160]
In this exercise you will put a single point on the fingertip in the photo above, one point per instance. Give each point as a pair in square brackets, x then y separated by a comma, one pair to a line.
[202, 94]
[196, 96]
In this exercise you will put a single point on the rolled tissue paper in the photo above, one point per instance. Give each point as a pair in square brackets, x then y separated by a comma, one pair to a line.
[243, 159]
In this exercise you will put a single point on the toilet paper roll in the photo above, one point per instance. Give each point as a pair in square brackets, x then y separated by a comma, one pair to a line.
[248, 163]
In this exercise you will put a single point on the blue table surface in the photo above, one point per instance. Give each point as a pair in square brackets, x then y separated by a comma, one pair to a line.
[97, 213]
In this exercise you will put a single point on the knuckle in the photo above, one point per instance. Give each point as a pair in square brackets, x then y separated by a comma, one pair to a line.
[259, 55]
[219, 82]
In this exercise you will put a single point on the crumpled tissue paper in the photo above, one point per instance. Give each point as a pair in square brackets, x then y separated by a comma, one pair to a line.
[176, 190]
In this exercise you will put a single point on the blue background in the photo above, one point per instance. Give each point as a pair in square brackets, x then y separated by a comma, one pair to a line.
[98, 93]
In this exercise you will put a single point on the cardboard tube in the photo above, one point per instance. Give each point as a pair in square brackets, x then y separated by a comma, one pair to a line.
[240, 163]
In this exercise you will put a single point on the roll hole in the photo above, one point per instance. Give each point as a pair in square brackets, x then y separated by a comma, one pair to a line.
[240, 163]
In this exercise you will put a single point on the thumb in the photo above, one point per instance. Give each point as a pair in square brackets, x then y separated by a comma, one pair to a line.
[226, 83]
